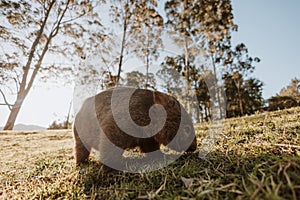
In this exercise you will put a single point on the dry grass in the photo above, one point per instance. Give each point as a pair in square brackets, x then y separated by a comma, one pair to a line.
[257, 157]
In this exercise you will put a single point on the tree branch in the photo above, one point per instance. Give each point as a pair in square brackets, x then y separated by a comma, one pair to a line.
[5, 101]
[17, 79]
[56, 29]
[45, 49]
[33, 48]
[73, 19]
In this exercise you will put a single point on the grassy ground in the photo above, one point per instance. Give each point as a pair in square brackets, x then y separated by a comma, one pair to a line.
[256, 157]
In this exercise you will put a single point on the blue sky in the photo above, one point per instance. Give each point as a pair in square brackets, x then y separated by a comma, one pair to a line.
[269, 28]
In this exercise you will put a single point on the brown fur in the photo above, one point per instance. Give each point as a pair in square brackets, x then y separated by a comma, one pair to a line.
[99, 107]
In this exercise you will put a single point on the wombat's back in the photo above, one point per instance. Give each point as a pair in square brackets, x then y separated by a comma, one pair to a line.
[139, 104]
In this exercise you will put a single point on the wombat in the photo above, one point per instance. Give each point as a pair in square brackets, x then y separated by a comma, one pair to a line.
[96, 124]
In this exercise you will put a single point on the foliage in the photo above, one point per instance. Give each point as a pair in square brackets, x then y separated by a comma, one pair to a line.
[239, 60]
[60, 125]
[138, 80]
[203, 94]
[201, 28]
[287, 98]
[253, 89]
[198, 79]
[148, 25]
[199, 25]
[33, 30]
[138, 27]
[292, 90]
[281, 102]
[171, 80]
[243, 93]
[257, 157]
[203, 21]
[72, 30]
[244, 97]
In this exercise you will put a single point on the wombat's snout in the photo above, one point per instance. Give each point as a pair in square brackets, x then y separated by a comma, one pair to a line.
[193, 146]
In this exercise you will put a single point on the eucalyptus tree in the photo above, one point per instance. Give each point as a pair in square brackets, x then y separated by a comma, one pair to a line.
[148, 24]
[180, 25]
[121, 13]
[35, 36]
[238, 68]
[288, 96]
[138, 80]
[255, 101]
[204, 94]
[138, 30]
[200, 27]
[292, 90]
[177, 63]
[173, 72]
[242, 98]
[170, 80]
[281, 102]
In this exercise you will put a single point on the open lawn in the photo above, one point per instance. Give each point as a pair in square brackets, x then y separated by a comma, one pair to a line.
[256, 157]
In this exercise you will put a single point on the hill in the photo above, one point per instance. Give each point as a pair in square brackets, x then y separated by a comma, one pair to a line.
[23, 127]
[255, 157]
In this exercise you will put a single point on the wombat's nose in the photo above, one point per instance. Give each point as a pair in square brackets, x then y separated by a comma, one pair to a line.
[193, 146]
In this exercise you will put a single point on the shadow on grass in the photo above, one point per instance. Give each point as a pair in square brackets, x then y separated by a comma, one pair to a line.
[274, 174]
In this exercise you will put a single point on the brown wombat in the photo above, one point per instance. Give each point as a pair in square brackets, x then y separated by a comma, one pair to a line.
[103, 124]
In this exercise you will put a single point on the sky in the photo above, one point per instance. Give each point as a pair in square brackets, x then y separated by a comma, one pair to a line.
[269, 28]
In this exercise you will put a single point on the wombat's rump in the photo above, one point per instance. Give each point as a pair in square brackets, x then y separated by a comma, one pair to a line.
[95, 125]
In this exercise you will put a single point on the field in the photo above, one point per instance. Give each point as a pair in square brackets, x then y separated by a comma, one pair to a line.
[256, 157]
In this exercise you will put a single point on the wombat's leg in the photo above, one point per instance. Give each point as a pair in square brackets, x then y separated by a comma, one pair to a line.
[148, 145]
[80, 151]
[111, 156]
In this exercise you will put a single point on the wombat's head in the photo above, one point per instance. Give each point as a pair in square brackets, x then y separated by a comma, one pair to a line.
[178, 122]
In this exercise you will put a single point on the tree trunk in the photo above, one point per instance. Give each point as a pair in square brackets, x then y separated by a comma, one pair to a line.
[187, 75]
[147, 60]
[147, 69]
[240, 102]
[24, 89]
[197, 113]
[122, 49]
[186, 59]
[147, 75]
[14, 112]
[68, 116]
[201, 117]
[217, 87]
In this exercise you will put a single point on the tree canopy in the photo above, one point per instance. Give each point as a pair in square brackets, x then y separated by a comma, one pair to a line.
[33, 30]
[44, 39]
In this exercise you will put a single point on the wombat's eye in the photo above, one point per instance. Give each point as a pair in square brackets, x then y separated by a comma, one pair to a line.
[172, 102]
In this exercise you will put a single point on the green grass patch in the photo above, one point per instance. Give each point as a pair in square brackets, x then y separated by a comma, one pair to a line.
[255, 157]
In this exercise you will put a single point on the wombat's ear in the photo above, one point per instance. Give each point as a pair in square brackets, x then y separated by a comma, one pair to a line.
[160, 98]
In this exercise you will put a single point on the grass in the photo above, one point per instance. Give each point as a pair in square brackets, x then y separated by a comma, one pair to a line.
[253, 159]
